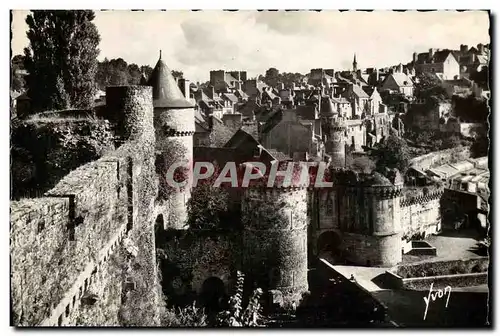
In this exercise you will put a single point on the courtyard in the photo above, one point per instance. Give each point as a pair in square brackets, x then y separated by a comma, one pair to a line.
[406, 307]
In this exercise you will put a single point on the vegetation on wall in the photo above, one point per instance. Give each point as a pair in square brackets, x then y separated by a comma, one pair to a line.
[393, 153]
[428, 86]
[239, 314]
[207, 207]
[43, 152]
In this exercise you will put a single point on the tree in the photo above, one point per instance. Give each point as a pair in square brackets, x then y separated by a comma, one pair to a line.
[362, 164]
[393, 153]
[481, 77]
[272, 77]
[146, 70]
[177, 74]
[428, 86]
[61, 59]
[16, 65]
[451, 142]
[134, 74]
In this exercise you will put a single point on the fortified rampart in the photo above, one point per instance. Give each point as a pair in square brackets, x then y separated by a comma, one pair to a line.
[275, 226]
[427, 161]
[421, 213]
[68, 263]
[44, 150]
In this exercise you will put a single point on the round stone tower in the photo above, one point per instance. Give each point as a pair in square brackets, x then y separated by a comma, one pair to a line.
[174, 127]
[334, 129]
[383, 198]
[275, 226]
[130, 111]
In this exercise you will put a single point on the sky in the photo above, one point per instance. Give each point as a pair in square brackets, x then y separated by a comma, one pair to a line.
[196, 42]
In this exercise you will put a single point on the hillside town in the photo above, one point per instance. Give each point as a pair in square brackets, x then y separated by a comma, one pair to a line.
[405, 148]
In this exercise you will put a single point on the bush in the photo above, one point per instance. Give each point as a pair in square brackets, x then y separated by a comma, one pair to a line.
[236, 316]
[190, 316]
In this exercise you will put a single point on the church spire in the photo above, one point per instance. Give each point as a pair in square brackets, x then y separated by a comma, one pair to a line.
[160, 53]
[354, 64]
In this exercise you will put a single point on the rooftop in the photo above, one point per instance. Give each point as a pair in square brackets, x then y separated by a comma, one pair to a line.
[166, 92]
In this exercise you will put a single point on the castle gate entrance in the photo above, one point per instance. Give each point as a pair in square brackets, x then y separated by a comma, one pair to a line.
[213, 293]
[328, 246]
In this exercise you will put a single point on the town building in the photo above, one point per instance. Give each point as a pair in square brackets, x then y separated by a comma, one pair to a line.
[443, 63]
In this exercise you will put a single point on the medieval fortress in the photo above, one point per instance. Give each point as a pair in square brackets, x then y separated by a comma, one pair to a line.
[86, 252]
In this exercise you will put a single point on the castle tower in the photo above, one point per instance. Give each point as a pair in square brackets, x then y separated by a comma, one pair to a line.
[354, 64]
[174, 128]
[275, 239]
[333, 128]
[130, 109]
[372, 215]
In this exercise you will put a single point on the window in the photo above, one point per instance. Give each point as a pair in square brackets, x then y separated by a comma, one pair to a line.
[329, 206]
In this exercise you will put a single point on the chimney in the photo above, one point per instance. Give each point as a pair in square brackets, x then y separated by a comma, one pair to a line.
[243, 76]
[232, 121]
[376, 75]
[211, 90]
[464, 48]
[431, 54]
[210, 119]
[415, 55]
[281, 86]
[185, 88]
[480, 48]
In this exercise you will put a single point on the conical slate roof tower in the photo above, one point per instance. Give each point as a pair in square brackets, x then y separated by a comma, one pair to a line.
[174, 128]
[166, 92]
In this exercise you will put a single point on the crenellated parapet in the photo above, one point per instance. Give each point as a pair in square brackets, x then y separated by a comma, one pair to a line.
[382, 192]
[422, 198]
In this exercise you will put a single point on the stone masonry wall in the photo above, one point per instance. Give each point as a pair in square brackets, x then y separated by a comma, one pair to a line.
[275, 239]
[198, 255]
[68, 247]
[372, 250]
[174, 143]
[419, 217]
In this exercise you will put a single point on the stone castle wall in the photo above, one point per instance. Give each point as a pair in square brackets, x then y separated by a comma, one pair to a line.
[275, 225]
[421, 214]
[63, 244]
[189, 258]
[174, 143]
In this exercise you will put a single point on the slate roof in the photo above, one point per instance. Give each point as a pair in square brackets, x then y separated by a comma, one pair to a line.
[401, 79]
[242, 94]
[251, 129]
[327, 108]
[239, 137]
[231, 97]
[280, 156]
[166, 92]
[273, 119]
[438, 57]
[306, 112]
[270, 94]
[358, 91]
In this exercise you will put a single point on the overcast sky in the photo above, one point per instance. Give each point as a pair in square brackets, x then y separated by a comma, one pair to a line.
[197, 42]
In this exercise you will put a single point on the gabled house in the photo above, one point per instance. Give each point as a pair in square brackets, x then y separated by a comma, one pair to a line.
[359, 99]
[441, 62]
[398, 82]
